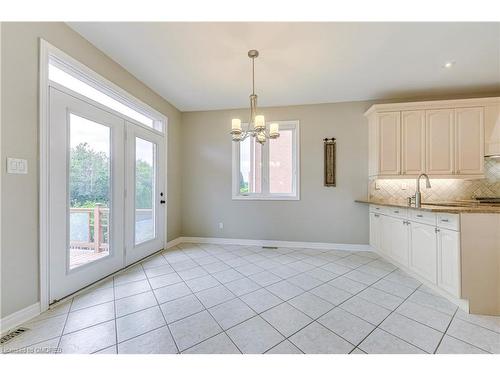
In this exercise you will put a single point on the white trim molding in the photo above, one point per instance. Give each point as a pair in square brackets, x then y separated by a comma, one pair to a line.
[19, 317]
[276, 243]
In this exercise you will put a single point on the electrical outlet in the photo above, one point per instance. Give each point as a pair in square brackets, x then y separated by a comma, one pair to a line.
[404, 186]
[377, 186]
[221, 226]
[17, 166]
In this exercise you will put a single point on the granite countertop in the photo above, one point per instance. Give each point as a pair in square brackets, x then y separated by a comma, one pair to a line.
[453, 208]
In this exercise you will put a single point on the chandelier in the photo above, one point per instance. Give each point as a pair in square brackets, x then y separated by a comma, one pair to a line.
[256, 126]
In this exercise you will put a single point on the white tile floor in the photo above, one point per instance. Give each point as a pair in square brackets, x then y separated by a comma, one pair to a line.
[236, 299]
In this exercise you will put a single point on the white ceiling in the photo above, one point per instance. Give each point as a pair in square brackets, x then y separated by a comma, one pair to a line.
[201, 66]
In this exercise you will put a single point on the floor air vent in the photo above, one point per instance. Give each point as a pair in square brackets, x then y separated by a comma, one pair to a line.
[270, 247]
[9, 336]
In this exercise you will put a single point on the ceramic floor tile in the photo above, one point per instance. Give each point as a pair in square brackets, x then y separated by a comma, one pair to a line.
[361, 277]
[109, 350]
[89, 340]
[216, 267]
[305, 281]
[245, 337]
[214, 296]
[284, 271]
[413, 332]
[129, 289]
[89, 316]
[380, 342]
[357, 351]
[392, 288]
[164, 280]
[242, 286]
[285, 290]
[138, 323]
[336, 268]
[38, 331]
[400, 277]
[347, 284]
[316, 339]
[155, 261]
[261, 300]
[425, 315]
[220, 344]
[184, 265]
[231, 313]
[248, 269]
[265, 278]
[381, 298]
[286, 319]
[486, 321]
[56, 310]
[450, 345]
[346, 325]
[159, 341]
[321, 274]
[473, 334]
[363, 309]
[192, 273]
[135, 273]
[202, 283]
[172, 292]
[311, 304]
[284, 347]
[331, 294]
[92, 298]
[434, 302]
[302, 266]
[194, 329]
[181, 308]
[134, 303]
[227, 276]
[159, 271]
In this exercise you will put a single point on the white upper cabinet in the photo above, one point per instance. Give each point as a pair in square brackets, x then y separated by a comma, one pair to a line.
[447, 138]
[389, 143]
[469, 135]
[440, 141]
[413, 142]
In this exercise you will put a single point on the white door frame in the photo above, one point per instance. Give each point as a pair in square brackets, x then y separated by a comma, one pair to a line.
[46, 52]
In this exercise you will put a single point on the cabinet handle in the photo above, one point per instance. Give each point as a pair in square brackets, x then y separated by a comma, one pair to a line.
[420, 216]
[444, 220]
[376, 215]
[436, 230]
[396, 212]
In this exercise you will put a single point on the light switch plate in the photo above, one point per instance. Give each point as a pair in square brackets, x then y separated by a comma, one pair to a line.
[17, 166]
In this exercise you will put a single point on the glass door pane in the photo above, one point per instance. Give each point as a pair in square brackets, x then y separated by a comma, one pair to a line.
[145, 155]
[89, 191]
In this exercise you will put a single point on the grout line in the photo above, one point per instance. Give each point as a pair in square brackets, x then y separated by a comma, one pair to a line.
[65, 322]
[162, 314]
[114, 308]
[446, 330]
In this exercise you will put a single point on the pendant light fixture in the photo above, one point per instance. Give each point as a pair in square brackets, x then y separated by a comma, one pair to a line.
[256, 126]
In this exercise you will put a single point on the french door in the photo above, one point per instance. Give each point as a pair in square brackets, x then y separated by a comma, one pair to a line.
[106, 183]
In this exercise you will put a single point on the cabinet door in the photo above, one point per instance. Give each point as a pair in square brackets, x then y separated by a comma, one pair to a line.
[439, 133]
[423, 250]
[400, 241]
[386, 235]
[389, 142]
[448, 266]
[469, 132]
[375, 231]
[413, 142]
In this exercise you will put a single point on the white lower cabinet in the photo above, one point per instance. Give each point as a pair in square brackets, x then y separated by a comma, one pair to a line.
[423, 251]
[400, 243]
[426, 244]
[375, 230]
[448, 261]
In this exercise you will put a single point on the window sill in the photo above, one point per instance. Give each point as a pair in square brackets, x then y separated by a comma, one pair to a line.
[265, 198]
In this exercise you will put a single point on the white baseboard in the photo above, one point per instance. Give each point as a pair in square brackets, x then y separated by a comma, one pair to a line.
[173, 243]
[292, 244]
[19, 317]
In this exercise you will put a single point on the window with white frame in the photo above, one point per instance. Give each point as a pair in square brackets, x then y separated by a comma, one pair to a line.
[269, 171]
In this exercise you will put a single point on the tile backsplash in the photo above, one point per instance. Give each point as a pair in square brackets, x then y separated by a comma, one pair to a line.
[442, 189]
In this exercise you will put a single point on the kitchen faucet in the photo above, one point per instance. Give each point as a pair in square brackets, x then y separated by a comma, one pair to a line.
[418, 195]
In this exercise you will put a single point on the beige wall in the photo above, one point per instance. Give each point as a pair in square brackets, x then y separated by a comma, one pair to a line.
[19, 243]
[321, 215]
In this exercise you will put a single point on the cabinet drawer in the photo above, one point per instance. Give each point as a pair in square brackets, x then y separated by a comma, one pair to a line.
[376, 208]
[396, 212]
[423, 217]
[449, 221]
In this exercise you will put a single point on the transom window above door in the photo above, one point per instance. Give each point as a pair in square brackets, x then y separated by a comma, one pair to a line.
[62, 74]
[269, 171]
